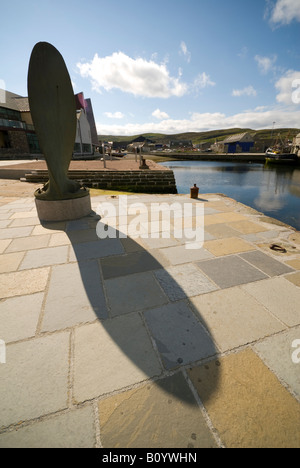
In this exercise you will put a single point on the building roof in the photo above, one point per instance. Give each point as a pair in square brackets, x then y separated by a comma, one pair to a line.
[235, 138]
[15, 102]
[23, 104]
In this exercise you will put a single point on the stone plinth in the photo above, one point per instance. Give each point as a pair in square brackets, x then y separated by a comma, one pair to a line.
[63, 210]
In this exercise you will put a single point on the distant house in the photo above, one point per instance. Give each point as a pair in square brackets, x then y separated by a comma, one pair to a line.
[296, 145]
[239, 143]
[181, 144]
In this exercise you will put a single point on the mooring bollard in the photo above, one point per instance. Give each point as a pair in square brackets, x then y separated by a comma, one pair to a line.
[194, 191]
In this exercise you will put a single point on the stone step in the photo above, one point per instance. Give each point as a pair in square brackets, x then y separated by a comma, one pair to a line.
[139, 181]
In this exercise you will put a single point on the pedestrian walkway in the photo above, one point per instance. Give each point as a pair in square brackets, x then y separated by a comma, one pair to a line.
[143, 342]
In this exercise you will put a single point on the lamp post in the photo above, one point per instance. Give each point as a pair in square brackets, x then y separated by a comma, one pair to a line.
[103, 152]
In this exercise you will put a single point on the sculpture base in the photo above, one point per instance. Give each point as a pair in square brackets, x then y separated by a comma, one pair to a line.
[63, 210]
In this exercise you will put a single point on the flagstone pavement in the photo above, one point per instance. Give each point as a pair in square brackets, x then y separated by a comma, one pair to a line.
[154, 340]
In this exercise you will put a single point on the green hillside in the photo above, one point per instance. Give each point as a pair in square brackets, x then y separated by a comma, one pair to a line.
[262, 138]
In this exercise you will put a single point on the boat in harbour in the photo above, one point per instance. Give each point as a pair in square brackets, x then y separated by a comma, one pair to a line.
[282, 158]
[281, 153]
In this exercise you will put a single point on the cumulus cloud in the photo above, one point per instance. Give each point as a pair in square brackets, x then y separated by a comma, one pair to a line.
[284, 12]
[114, 115]
[136, 76]
[288, 88]
[256, 119]
[158, 114]
[265, 64]
[248, 91]
[203, 80]
[184, 50]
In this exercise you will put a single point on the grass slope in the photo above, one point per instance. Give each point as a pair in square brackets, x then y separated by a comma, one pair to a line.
[261, 137]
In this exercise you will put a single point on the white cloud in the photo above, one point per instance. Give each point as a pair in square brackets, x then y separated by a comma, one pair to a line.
[265, 64]
[115, 115]
[203, 80]
[287, 87]
[285, 11]
[158, 114]
[136, 76]
[255, 119]
[184, 50]
[248, 91]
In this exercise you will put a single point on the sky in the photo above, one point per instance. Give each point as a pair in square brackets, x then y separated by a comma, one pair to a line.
[165, 66]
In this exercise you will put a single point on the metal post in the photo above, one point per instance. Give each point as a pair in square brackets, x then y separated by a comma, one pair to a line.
[103, 152]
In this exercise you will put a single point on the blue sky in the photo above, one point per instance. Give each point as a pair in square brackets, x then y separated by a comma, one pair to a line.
[166, 66]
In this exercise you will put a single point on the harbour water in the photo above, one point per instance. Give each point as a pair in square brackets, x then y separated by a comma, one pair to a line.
[272, 190]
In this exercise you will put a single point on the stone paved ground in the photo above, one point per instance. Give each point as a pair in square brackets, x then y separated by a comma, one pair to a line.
[141, 342]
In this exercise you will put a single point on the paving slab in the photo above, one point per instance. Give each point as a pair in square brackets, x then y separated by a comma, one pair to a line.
[172, 421]
[179, 337]
[160, 243]
[5, 215]
[15, 232]
[44, 257]
[249, 408]
[112, 355]
[11, 261]
[129, 264]
[265, 263]
[223, 218]
[58, 239]
[4, 223]
[183, 281]
[75, 296]
[247, 227]
[221, 247]
[40, 230]
[28, 243]
[23, 282]
[132, 293]
[4, 244]
[74, 429]
[180, 254]
[235, 318]
[294, 263]
[96, 249]
[294, 278]
[22, 213]
[281, 354]
[34, 221]
[280, 297]
[221, 231]
[230, 271]
[19, 317]
[83, 235]
[34, 380]
[131, 245]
